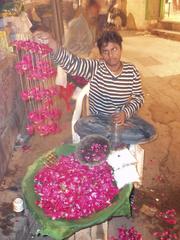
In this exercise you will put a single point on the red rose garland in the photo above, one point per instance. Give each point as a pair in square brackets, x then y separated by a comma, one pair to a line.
[38, 90]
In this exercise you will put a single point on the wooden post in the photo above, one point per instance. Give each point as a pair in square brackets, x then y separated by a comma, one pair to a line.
[84, 234]
[72, 237]
[100, 232]
[58, 28]
[97, 232]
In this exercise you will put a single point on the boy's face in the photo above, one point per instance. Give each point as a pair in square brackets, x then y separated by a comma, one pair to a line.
[111, 53]
[68, 11]
[92, 14]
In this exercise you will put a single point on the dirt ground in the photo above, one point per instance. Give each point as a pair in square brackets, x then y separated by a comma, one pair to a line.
[159, 63]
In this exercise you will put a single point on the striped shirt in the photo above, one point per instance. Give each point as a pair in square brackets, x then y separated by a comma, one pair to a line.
[108, 92]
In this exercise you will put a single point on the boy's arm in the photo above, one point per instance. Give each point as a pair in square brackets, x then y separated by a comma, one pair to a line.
[137, 97]
[74, 65]
[69, 62]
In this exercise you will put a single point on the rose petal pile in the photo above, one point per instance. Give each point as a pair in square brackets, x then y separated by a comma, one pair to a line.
[128, 234]
[168, 234]
[169, 216]
[70, 190]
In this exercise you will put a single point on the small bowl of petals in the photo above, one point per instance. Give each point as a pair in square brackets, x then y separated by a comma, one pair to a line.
[93, 150]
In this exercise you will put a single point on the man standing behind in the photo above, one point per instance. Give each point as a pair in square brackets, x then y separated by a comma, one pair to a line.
[80, 28]
[80, 35]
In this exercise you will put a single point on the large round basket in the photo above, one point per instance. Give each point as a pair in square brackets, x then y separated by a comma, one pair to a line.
[62, 229]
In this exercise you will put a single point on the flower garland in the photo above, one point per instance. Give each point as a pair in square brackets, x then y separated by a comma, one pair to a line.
[39, 92]
[70, 190]
[38, 119]
[38, 70]
[32, 46]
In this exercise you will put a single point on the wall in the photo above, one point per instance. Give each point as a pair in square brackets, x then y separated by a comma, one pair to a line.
[136, 11]
[142, 13]
[11, 111]
[153, 9]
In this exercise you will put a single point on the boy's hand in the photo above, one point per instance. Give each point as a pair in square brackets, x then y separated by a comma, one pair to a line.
[119, 118]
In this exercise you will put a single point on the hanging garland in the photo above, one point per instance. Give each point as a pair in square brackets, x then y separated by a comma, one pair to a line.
[39, 91]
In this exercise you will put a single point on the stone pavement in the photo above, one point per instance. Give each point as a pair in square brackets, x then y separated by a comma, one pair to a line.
[159, 63]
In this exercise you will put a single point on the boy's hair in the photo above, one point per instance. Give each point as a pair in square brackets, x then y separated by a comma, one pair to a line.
[109, 36]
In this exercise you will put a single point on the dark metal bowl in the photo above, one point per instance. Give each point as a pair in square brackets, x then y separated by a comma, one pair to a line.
[93, 149]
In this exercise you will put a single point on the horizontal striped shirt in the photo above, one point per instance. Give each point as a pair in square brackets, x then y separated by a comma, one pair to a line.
[108, 92]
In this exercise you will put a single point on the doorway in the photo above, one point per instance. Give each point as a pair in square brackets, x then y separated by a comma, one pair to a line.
[172, 10]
